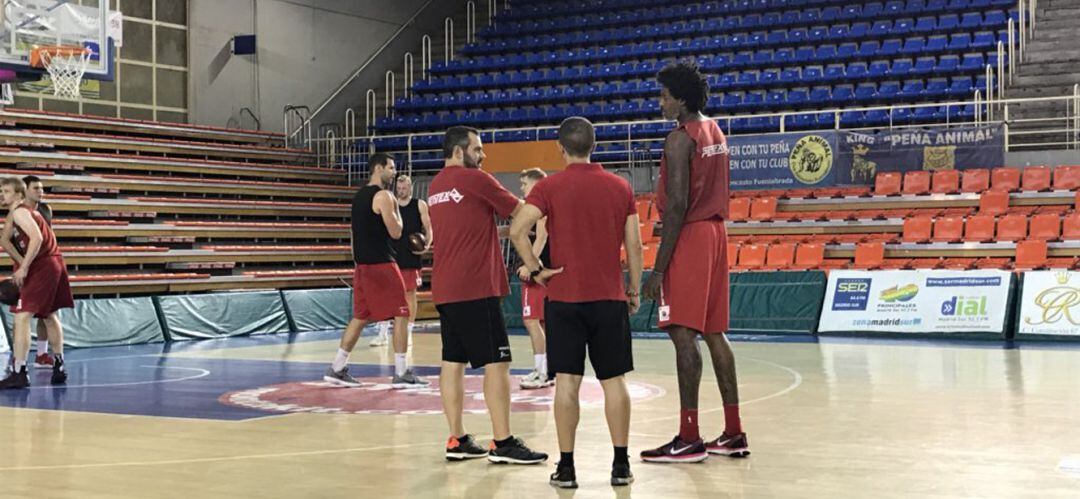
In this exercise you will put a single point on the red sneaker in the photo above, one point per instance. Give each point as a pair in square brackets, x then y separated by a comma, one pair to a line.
[731, 446]
[43, 361]
[676, 451]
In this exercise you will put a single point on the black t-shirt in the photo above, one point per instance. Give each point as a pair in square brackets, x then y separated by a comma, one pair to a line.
[370, 239]
[412, 224]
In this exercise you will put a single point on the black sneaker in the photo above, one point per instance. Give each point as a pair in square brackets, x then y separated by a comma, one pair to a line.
[564, 478]
[460, 449]
[621, 475]
[59, 375]
[15, 380]
[515, 453]
[676, 451]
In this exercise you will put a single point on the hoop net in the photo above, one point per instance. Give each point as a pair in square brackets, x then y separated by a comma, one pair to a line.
[65, 64]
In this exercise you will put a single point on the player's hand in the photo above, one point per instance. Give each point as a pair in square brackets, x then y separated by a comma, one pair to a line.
[652, 287]
[546, 274]
[634, 303]
[523, 273]
[19, 276]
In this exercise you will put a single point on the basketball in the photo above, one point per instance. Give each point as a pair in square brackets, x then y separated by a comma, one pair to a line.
[417, 241]
[9, 292]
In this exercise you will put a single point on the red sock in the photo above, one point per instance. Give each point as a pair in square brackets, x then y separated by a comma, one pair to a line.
[733, 425]
[688, 427]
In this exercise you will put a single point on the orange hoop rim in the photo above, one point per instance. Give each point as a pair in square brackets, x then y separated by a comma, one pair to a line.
[54, 50]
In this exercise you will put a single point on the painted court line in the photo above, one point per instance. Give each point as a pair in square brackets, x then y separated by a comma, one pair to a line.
[202, 373]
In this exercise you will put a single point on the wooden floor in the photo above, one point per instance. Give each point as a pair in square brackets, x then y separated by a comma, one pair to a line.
[836, 418]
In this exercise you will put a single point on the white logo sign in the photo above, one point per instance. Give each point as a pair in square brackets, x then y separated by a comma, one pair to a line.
[444, 197]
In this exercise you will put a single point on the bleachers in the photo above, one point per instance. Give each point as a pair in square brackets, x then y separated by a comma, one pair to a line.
[151, 208]
[540, 63]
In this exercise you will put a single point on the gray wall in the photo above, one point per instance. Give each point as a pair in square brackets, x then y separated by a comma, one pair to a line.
[306, 48]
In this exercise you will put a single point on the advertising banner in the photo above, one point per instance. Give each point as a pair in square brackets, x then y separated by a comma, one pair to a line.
[862, 155]
[783, 161]
[1050, 303]
[915, 301]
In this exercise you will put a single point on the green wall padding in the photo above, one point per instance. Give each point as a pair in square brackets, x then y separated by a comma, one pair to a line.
[511, 305]
[105, 322]
[776, 302]
[221, 315]
[319, 309]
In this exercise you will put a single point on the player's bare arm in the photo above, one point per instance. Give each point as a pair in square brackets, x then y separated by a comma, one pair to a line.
[387, 206]
[525, 218]
[26, 224]
[5, 242]
[678, 148]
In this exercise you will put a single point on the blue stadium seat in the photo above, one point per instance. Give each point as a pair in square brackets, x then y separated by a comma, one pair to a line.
[878, 69]
[865, 92]
[924, 65]
[948, 64]
[983, 40]
[912, 89]
[901, 68]
[937, 43]
[890, 47]
[913, 46]
[972, 62]
[888, 91]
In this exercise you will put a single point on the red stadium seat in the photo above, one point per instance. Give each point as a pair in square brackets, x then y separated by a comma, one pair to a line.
[763, 209]
[869, 255]
[1005, 179]
[925, 263]
[948, 229]
[738, 209]
[809, 256]
[975, 181]
[887, 184]
[1035, 179]
[959, 263]
[1030, 255]
[917, 229]
[1045, 227]
[780, 256]
[752, 256]
[1012, 228]
[916, 183]
[979, 229]
[994, 202]
[1067, 178]
[1070, 227]
[945, 182]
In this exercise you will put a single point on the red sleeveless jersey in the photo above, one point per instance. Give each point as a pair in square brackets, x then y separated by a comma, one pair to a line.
[709, 173]
[49, 248]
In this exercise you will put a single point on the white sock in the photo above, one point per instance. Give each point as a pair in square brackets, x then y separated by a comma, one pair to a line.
[340, 360]
[20, 365]
[540, 363]
[42, 346]
[384, 328]
[412, 325]
[400, 364]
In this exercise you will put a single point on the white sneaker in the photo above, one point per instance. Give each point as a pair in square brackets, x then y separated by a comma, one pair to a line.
[380, 339]
[535, 381]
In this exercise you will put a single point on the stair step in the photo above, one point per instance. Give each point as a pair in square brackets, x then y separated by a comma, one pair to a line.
[1051, 53]
[1047, 68]
[1058, 80]
[1071, 11]
[1015, 92]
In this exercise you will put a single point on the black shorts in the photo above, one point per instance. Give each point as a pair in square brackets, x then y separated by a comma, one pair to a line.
[474, 332]
[603, 327]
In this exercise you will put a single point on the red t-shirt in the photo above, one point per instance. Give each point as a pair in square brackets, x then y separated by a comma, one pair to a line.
[463, 203]
[709, 173]
[49, 248]
[586, 209]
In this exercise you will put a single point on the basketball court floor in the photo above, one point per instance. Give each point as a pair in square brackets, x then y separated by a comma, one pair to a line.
[250, 417]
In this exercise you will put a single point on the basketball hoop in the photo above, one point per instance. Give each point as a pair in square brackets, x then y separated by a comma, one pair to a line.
[65, 64]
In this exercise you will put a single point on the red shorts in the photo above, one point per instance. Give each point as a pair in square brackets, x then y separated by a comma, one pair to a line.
[695, 291]
[412, 278]
[378, 292]
[46, 289]
[532, 301]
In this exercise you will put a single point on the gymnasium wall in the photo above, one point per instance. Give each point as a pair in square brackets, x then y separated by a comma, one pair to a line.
[306, 48]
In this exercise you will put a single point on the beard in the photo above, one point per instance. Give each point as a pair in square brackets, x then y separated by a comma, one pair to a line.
[471, 161]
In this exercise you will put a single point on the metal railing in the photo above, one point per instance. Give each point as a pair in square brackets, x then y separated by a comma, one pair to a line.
[297, 126]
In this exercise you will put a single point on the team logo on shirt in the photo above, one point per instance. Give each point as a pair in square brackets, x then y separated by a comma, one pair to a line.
[811, 159]
[445, 197]
[714, 150]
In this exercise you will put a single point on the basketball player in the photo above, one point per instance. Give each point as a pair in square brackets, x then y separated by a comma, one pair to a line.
[35, 192]
[590, 214]
[533, 294]
[468, 284]
[690, 279]
[378, 290]
[415, 220]
[43, 281]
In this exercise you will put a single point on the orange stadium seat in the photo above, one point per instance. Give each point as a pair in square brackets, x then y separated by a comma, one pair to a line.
[917, 229]
[1035, 179]
[994, 202]
[733, 254]
[1045, 227]
[1067, 178]
[869, 255]
[979, 228]
[916, 183]
[809, 256]
[1070, 227]
[945, 182]
[949, 229]
[752, 256]
[887, 184]
[739, 209]
[1030, 255]
[1005, 179]
[780, 256]
[1012, 227]
[975, 181]
[763, 209]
